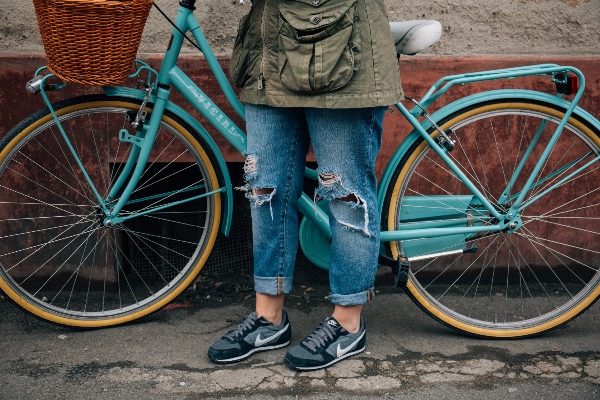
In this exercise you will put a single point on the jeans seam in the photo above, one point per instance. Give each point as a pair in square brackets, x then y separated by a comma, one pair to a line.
[279, 285]
[285, 199]
[369, 148]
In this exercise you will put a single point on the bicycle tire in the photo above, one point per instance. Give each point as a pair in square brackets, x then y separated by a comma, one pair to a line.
[514, 284]
[57, 260]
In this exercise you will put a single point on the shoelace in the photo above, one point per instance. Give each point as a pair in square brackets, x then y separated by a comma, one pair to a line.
[246, 324]
[323, 334]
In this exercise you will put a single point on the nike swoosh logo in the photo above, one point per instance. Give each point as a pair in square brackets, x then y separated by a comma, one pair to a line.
[341, 352]
[259, 342]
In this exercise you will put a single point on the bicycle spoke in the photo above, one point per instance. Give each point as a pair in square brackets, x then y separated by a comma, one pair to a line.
[148, 259]
[521, 141]
[541, 171]
[556, 166]
[508, 257]
[63, 167]
[534, 274]
[461, 275]
[544, 220]
[171, 221]
[77, 149]
[115, 253]
[89, 286]
[523, 281]
[120, 167]
[494, 135]
[443, 167]
[42, 186]
[554, 252]
[169, 176]
[57, 269]
[145, 235]
[22, 203]
[478, 278]
[75, 273]
[39, 230]
[484, 189]
[71, 169]
[100, 162]
[495, 257]
[38, 200]
[39, 247]
[149, 206]
[149, 167]
[486, 186]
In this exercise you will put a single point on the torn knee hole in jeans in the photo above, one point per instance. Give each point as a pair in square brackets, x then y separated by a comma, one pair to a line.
[260, 196]
[331, 188]
[250, 167]
[263, 191]
[257, 195]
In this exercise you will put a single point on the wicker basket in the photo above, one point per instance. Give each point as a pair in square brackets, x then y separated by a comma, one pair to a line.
[92, 42]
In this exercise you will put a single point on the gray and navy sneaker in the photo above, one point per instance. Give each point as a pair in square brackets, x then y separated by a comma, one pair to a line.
[251, 336]
[328, 344]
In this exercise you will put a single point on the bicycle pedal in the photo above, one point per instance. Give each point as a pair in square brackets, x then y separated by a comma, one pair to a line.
[400, 270]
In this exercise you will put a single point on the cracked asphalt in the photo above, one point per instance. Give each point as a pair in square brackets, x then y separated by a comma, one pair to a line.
[408, 355]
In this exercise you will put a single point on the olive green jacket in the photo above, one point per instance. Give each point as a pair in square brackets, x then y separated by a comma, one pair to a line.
[316, 53]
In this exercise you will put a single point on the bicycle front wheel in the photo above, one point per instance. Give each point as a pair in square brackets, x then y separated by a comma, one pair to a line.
[501, 284]
[57, 260]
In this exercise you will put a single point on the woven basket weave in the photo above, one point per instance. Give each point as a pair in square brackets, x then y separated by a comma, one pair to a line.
[93, 42]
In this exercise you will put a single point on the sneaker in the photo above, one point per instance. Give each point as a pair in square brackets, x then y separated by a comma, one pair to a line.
[251, 336]
[328, 344]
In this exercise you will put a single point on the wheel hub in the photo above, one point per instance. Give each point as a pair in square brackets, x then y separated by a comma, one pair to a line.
[103, 219]
[512, 224]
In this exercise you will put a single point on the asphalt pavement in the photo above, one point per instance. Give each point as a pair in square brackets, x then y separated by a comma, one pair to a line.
[408, 356]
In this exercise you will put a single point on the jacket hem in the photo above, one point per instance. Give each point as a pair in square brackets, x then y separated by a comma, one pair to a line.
[328, 101]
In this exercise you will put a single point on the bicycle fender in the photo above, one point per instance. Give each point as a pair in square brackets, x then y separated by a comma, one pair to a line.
[223, 174]
[506, 94]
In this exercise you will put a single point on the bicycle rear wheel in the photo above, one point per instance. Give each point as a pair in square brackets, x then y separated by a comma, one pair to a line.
[57, 260]
[500, 284]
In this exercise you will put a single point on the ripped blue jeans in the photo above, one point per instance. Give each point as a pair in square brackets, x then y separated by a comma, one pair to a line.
[345, 143]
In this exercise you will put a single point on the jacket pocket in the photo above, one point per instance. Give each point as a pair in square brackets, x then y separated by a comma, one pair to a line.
[319, 45]
[240, 58]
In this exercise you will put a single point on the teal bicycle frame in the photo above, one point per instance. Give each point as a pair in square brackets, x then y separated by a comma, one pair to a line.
[171, 76]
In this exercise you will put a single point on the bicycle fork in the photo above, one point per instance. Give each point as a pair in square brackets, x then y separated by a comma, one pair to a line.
[141, 146]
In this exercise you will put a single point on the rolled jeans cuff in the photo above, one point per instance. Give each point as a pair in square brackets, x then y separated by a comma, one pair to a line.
[352, 299]
[273, 285]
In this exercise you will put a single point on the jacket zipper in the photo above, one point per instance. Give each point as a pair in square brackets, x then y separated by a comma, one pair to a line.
[261, 77]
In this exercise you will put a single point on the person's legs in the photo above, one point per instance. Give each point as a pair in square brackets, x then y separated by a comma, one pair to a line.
[346, 143]
[274, 173]
[348, 317]
[270, 307]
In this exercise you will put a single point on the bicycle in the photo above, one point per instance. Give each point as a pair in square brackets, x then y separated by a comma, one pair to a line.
[487, 221]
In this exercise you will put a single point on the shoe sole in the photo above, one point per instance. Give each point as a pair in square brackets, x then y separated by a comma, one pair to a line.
[248, 354]
[335, 360]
